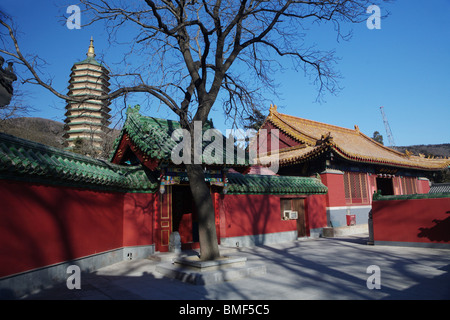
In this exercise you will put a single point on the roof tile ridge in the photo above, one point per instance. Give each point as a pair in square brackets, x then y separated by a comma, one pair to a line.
[405, 162]
[382, 145]
[356, 131]
[311, 141]
[297, 147]
[315, 150]
[285, 150]
[327, 125]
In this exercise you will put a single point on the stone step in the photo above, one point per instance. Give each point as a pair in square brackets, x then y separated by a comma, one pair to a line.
[210, 272]
[168, 256]
[171, 256]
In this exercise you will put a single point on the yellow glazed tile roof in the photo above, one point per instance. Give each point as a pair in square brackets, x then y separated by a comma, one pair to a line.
[353, 145]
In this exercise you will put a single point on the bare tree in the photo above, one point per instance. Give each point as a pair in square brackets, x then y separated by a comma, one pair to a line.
[17, 106]
[195, 53]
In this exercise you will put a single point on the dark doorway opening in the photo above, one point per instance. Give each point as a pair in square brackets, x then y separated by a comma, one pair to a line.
[184, 216]
[386, 186]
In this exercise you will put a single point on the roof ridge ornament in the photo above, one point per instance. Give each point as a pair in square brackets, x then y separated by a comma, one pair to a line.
[408, 153]
[325, 138]
[134, 109]
[273, 108]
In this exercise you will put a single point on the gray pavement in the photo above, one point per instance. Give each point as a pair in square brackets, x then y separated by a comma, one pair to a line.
[313, 269]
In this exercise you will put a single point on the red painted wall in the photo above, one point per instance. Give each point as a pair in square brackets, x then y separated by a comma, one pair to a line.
[415, 220]
[138, 214]
[336, 194]
[43, 225]
[243, 215]
[423, 186]
[315, 206]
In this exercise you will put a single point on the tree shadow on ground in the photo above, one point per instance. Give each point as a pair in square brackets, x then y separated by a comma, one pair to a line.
[327, 268]
[357, 239]
[133, 282]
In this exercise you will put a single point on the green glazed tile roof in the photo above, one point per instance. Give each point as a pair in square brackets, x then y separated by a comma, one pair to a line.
[153, 137]
[89, 60]
[29, 161]
[260, 184]
[33, 162]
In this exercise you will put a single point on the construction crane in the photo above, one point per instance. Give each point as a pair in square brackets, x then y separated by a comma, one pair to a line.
[387, 128]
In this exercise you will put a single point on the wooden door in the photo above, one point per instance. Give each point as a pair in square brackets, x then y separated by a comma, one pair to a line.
[299, 206]
[164, 221]
[285, 204]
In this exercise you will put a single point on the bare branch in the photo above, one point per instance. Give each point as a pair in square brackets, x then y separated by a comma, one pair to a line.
[195, 46]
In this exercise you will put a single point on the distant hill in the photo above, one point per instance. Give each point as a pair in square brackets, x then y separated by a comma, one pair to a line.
[47, 132]
[39, 130]
[436, 150]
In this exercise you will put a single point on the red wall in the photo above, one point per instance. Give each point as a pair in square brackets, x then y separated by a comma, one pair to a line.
[138, 213]
[43, 225]
[423, 186]
[414, 220]
[315, 206]
[336, 194]
[243, 215]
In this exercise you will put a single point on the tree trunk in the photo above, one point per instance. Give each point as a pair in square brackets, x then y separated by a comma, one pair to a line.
[209, 248]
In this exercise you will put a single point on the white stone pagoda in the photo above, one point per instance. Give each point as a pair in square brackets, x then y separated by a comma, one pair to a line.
[87, 120]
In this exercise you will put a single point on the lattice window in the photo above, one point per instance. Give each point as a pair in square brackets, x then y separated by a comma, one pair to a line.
[348, 196]
[364, 186]
[355, 187]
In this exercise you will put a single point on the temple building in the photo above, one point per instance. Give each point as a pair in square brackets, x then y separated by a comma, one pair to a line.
[250, 208]
[96, 212]
[86, 121]
[352, 165]
[99, 212]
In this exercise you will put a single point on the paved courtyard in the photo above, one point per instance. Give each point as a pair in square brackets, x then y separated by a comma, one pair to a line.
[313, 269]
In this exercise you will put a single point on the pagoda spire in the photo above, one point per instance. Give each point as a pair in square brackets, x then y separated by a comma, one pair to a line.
[91, 51]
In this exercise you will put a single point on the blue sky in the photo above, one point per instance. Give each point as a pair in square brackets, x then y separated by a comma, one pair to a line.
[404, 66]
